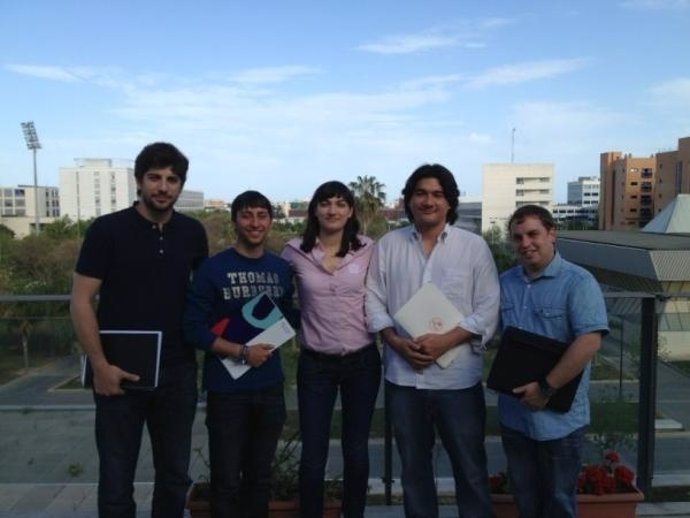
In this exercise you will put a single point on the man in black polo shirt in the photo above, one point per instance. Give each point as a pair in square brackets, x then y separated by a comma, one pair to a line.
[139, 261]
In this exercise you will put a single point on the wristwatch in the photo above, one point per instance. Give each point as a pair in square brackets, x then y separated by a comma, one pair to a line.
[546, 390]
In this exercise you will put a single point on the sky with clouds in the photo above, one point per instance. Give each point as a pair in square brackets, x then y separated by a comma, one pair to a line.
[281, 96]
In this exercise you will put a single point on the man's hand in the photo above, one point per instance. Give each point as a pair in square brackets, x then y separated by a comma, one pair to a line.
[258, 354]
[433, 344]
[412, 352]
[107, 380]
[531, 396]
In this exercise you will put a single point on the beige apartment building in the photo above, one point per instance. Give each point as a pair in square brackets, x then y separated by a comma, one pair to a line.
[634, 190]
[672, 175]
[627, 191]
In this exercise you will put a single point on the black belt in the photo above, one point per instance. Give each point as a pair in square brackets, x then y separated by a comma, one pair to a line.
[336, 357]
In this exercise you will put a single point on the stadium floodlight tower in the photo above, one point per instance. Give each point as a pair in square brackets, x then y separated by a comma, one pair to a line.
[34, 145]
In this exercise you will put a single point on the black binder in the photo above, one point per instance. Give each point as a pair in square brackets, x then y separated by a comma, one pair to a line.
[137, 352]
[523, 357]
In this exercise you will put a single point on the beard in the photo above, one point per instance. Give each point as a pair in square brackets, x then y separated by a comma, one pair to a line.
[154, 206]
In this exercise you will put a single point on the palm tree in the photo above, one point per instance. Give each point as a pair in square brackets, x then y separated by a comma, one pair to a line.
[369, 198]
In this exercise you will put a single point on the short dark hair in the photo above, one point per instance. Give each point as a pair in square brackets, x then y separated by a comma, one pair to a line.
[447, 181]
[537, 211]
[250, 199]
[161, 155]
[326, 191]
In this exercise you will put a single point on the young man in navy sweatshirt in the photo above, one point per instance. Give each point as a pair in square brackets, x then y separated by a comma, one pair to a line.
[244, 416]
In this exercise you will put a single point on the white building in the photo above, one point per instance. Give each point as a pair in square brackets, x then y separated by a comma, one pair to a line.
[190, 201]
[567, 212]
[584, 191]
[505, 187]
[96, 186]
[18, 207]
[21, 201]
[469, 213]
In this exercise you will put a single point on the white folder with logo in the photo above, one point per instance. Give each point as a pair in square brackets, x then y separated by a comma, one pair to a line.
[430, 312]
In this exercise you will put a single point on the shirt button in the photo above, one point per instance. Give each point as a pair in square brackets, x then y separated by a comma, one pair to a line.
[160, 251]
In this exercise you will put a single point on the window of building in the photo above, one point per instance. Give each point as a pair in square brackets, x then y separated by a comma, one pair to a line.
[633, 184]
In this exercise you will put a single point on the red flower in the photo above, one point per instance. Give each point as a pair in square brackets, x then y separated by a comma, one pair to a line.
[612, 457]
[608, 476]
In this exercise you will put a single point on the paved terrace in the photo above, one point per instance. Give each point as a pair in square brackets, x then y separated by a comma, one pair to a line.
[49, 461]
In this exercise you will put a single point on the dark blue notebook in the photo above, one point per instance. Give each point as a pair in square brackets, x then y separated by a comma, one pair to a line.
[524, 357]
[138, 352]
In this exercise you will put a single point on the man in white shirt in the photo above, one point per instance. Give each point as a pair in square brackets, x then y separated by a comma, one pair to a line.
[424, 396]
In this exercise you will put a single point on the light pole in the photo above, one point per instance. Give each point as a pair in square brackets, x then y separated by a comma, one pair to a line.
[34, 145]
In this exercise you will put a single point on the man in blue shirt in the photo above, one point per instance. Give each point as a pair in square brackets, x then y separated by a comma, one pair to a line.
[550, 296]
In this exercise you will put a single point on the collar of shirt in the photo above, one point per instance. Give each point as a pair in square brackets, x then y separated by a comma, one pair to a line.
[553, 269]
[416, 235]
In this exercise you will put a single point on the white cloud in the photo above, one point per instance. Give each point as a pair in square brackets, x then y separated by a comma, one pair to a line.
[674, 92]
[409, 44]
[431, 82]
[271, 75]
[656, 5]
[496, 23]
[44, 72]
[524, 72]
[465, 34]
[109, 77]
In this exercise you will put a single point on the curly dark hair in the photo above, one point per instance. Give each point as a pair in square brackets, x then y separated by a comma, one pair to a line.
[447, 181]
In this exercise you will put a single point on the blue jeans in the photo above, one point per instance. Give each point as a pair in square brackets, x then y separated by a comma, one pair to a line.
[243, 433]
[319, 377]
[168, 413]
[459, 416]
[543, 474]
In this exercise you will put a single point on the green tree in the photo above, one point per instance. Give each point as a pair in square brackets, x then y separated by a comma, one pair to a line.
[65, 228]
[503, 256]
[42, 265]
[369, 198]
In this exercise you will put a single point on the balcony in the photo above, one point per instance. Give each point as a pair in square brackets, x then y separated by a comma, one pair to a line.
[640, 393]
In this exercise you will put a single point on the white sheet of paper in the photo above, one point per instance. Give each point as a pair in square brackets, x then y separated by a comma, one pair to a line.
[276, 335]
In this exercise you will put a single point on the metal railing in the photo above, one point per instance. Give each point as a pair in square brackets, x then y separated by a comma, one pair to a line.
[41, 323]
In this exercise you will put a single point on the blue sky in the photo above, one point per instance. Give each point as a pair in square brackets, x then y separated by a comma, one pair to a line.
[280, 96]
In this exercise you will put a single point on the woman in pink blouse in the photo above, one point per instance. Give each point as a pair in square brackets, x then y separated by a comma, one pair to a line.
[337, 352]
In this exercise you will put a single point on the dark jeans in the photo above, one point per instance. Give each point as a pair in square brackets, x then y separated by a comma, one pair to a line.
[168, 413]
[543, 474]
[459, 416]
[243, 432]
[319, 377]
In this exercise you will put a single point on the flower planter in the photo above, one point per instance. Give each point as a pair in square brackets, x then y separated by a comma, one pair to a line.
[199, 507]
[613, 505]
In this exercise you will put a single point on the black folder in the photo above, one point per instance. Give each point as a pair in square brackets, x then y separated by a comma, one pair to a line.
[137, 352]
[523, 357]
